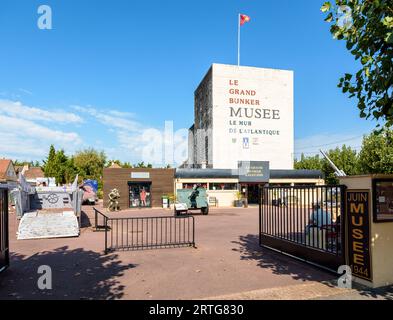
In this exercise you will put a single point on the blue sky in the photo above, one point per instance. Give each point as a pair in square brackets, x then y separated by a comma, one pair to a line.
[110, 70]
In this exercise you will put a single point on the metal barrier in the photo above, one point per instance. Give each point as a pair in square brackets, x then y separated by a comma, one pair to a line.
[307, 222]
[4, 232]
[141, 233]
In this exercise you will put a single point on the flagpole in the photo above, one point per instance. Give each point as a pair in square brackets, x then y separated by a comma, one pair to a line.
[238, 41]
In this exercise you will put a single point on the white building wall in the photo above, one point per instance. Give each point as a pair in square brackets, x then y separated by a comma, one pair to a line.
[263, 129]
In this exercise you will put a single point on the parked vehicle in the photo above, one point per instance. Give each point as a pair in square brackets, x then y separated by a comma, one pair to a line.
[191, 199]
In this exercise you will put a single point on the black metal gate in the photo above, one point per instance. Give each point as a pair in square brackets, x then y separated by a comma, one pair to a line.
[4, 233]
[145, 232]
[307, 222]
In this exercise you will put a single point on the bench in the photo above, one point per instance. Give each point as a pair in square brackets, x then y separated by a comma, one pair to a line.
[213, 201]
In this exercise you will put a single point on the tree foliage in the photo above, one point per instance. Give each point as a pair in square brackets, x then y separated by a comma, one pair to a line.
[57, 165]
[49, 163]
[29, 163]
[367, 28]
[128, 164]
[89, 163]
[344, 158]
[309, 163]
[376, 155]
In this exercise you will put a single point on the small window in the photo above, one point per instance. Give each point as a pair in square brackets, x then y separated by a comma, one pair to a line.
[223, 186]
[192, 185]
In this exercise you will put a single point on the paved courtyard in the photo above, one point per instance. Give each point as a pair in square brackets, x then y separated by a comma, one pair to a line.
[227, 263]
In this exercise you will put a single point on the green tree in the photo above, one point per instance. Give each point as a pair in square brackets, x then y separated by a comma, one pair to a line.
[309, 163]
[49, 166]
[29, 163]
[61, 166]
[70, 170]
[127, 165]
[376, 155]
[143, 165]
[367, 28]
[57, 165]
[89, 163]
[345, 158]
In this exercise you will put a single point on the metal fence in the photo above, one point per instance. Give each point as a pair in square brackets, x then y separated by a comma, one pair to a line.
[305, 221]
[145, 232]
[4, 233]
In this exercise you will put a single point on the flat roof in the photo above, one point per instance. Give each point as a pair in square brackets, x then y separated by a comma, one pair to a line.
[228, 173]
[249, 67]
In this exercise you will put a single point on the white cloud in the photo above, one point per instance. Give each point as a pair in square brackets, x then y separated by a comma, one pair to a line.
[15, 146]
[112, 118]
[26, 132]
[17, 109]
[135, 141]
[33, 130]
[121, 114]
[25, 91]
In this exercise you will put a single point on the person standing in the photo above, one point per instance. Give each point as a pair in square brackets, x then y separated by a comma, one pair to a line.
[143, 197]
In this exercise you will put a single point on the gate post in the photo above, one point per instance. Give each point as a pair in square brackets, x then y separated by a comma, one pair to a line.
[4, 231]
[260, 212]
[369, 228]
[344, 223]
[106, 234]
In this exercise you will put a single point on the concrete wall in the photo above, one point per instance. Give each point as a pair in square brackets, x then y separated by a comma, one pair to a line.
[203, 115]
[223, 135]
[51, 200]
[381, 235]
[270, 133]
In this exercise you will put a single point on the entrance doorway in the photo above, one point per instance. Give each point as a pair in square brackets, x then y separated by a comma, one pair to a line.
[139, 194]
[250, 192]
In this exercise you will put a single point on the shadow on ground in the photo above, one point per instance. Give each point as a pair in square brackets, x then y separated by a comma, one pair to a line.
[85, 220]
[279, 264]
[249, 249]
[76, 274]
[385, 293]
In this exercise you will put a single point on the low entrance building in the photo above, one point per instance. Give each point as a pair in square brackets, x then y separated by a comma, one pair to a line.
[138, 187]
[224, 185]
[144, 188]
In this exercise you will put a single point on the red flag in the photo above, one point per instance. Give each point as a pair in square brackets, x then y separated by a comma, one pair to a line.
[244, 19]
